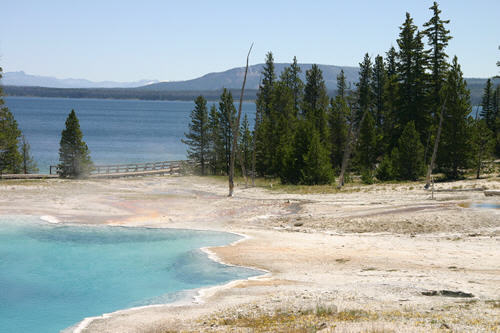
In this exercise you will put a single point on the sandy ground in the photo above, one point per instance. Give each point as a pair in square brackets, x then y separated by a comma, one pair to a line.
[354, 261]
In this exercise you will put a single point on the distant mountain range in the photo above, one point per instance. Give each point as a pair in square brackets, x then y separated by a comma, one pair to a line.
[233, 78]
[209, 85]
[22, 79]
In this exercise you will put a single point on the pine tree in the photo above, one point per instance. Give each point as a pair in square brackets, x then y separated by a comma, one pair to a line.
[391, 64]
[408, 159]
[391, 128]
[74, 155]
[385, 170]
[10, 157]
[315, 103]
[365, 93]
[496, 110]
[341, 85]
[455, 144]
[488, 113]
[216, 147]
[338, 123]
[197, 139]
[437, 38]
[411, 65]
[29, 164]
[317, 169]
[378, 81]
[294, 154]
[291, 77]
[283, 119]
[263, 125]
[226, 113]
[483, 143]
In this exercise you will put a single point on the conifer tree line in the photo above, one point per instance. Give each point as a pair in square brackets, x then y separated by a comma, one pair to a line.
[385, 128]
[15, 156]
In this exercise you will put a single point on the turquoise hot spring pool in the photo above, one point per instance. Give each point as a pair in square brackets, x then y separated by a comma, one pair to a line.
[52, 276]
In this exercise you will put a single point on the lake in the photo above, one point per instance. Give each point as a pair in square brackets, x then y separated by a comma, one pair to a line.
[52, 276]
[116, 131]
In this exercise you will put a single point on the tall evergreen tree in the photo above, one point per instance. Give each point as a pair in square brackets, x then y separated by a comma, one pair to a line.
[365, 92]
[10, 157]
[437, 38]
[198, 137]
[411, 65]
[74, 155]
[391, 128]
[496, 111]
[291, 77]
[339, 127]
[227, 113]
[488, 112]
[455, 145]
[29, 164]
[263, 125]
[284, 121]
[378, 81]
[391, 62]
[216, 147]
[315, 103]
[341, 85]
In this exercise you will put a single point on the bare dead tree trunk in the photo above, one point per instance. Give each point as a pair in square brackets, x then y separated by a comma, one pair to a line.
[351, 141]
[436, 145]
[345, 158]
[236, 130]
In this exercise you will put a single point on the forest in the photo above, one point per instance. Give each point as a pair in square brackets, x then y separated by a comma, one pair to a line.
[409, 113]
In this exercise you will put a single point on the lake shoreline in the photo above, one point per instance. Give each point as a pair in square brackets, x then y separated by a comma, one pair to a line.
[375, 248]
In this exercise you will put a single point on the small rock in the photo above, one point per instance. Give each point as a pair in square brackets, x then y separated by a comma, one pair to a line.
[298, 224]
[451, 293]
[447, 293]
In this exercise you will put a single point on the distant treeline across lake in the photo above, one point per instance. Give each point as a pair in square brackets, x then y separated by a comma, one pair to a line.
[475, 85]
[116, 131]
[123, 93]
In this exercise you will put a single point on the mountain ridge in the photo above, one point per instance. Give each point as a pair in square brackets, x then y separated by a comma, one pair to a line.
[233, 78]
[20, 78]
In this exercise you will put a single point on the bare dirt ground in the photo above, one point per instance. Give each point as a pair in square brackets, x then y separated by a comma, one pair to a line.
[358, 260]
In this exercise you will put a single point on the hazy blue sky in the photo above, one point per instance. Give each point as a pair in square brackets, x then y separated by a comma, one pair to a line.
[178, 40]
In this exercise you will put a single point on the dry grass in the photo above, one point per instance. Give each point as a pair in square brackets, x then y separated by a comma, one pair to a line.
[326, 317]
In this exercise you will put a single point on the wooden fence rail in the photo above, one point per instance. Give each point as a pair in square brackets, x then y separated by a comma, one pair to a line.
[133, 168]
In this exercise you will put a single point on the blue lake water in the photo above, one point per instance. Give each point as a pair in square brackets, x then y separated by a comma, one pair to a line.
[54, 275]
[116, 131]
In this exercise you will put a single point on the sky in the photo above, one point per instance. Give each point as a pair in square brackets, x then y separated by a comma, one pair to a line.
[179, 40]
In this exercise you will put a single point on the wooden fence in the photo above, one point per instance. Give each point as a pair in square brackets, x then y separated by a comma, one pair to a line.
[134, 169]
